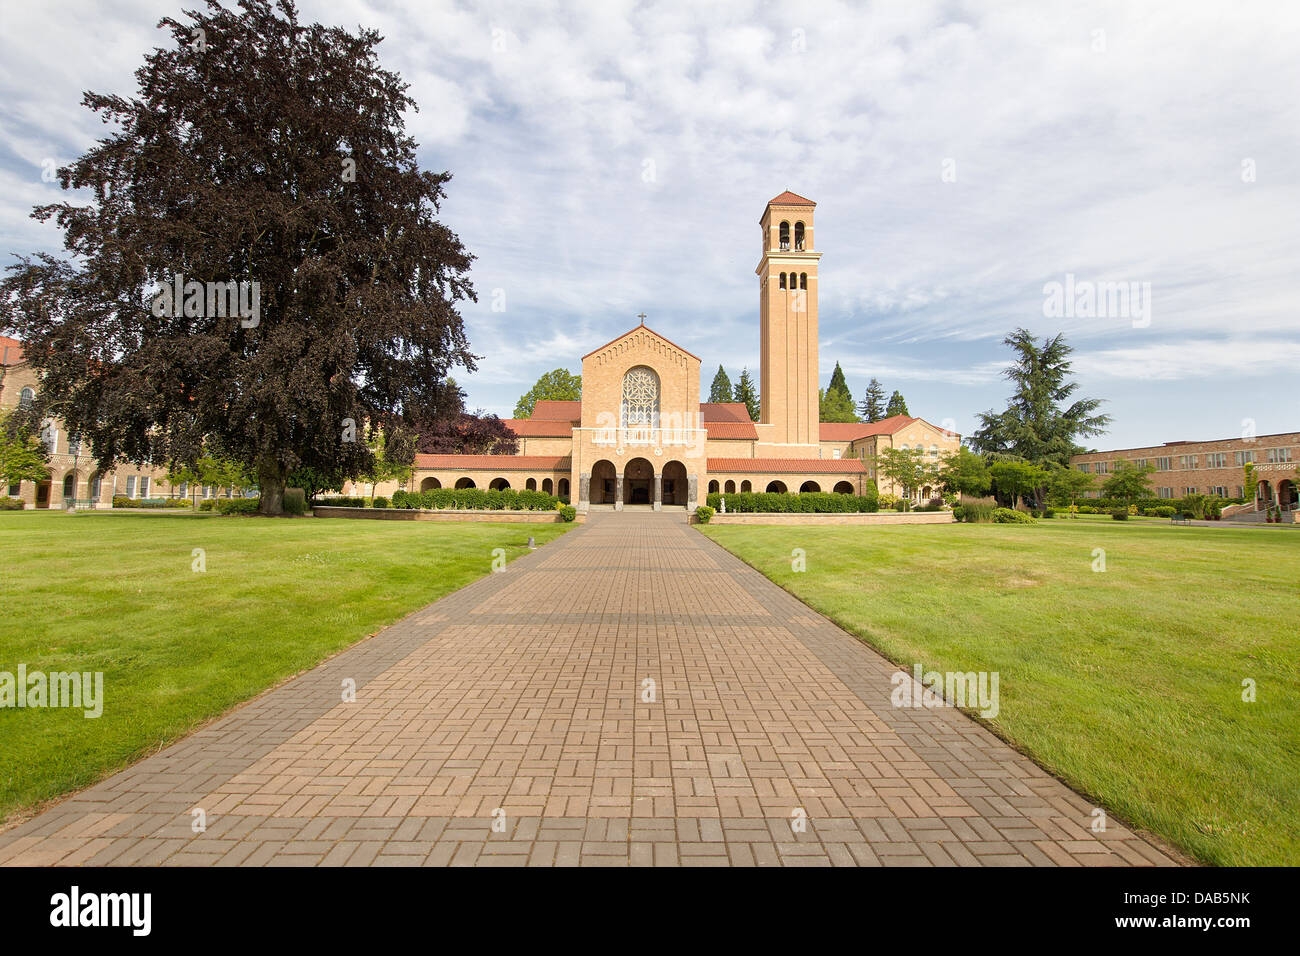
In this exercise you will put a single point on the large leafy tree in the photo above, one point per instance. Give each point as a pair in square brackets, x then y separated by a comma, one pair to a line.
[23, 456]
[558, 385]
[1128, 482]
[907, 469]
[747, 393]
[1042, 420]
[256, 149]
[1066, 485]
[965, 473]
[1013, 480]
[872, 407]
[721, 390]
[457, 431]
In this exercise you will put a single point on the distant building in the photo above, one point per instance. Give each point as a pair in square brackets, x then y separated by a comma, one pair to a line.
[1212, 467]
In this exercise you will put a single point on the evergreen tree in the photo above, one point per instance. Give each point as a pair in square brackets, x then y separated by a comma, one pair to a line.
[721, 390]
[897, 405]
[872, 408]
[1035, 426]
[747, 393]
[838, 384]
[836, 406]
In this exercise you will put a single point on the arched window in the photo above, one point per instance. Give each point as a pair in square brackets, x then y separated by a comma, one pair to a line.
[531, 484]
[640, 398]
[466, 482]
[547, 485]
[69, 486]
[808, 486]
[785, 235]
[26, 397]
[782, 280]
[746, 485]
[563, 491]
[798, 235]
[498, 484]
[713, 487]
[803, 280]
[729, 487]
[776, 487]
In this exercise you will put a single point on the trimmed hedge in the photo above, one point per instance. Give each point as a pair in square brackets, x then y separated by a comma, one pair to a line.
[12, 504]
[122, 501]
[477, 499]
[809, 502]
[341, 501]
[237, 506]
[1010, 516]
[295, 501]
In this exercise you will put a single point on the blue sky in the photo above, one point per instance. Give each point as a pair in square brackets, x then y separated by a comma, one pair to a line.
[612, 158]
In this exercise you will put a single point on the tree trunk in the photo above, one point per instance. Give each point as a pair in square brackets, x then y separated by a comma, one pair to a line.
[271, 482]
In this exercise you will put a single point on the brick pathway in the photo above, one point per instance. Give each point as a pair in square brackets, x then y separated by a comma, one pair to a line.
[517, 703]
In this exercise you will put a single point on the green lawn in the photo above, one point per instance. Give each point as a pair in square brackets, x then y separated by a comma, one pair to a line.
[1126, 683]
[116, 593]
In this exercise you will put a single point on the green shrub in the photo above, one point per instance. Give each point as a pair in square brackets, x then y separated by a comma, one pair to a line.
[567, 512]
[1087, 510]
[11, 504]
[704, 514]
[342, 501]
[1049, 512]
[1162, 511]
[976, 510]
[809, 502]
[1119, 514]
[122, 501]
[295, 501]
[381, 502]
[474, 499]
[237, 506]
[1011, 516]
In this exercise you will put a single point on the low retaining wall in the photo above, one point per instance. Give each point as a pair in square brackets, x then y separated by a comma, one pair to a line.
[421, 514]
[874, 517]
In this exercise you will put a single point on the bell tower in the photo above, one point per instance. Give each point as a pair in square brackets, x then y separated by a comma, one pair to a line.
[787, 283]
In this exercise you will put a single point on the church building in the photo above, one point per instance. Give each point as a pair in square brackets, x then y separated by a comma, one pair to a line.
[640, 436]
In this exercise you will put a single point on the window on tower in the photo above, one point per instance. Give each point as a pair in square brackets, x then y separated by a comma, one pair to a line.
[782, 280]
[798, 235]
[803, 280]
[785, 235]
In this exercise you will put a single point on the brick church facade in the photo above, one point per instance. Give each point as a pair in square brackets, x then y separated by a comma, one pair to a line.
[640, 436]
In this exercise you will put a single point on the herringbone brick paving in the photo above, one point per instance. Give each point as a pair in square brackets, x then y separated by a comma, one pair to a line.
[513, 723]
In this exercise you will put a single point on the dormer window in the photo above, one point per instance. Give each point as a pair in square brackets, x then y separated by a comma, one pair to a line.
[785, 235]
[798, 236]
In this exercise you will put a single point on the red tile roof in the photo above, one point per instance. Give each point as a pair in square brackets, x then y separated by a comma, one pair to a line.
[851, 431]
[788, 466]
[11, 351]
[788, 198]
[494, 462]
[551, 410]
[724, 412]
[538, 428]
[731, 430]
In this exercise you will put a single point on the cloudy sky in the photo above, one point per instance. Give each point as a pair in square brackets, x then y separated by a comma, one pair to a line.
[614, 157]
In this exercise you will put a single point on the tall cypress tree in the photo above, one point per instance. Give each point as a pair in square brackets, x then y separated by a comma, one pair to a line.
[838, 384]
[872, 408]
[897, 405]
[745, 392]
[721, 390]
